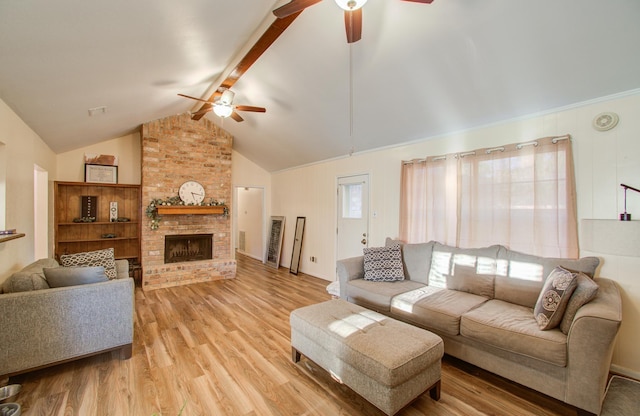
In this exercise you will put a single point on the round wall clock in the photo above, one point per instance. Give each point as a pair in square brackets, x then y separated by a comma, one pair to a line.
[191, 192]
[605, 121]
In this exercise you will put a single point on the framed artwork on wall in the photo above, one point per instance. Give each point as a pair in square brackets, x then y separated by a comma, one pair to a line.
[100, 173]
[276, 230]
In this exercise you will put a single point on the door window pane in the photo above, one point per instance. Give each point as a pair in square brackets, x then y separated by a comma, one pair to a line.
[352, 201]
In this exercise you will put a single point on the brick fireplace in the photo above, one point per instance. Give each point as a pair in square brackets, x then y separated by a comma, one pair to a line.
[175, 150]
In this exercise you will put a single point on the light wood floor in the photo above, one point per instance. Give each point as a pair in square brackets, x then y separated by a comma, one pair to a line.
[222, 348]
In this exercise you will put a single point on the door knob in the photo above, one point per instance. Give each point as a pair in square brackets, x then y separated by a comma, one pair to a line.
[364, 241]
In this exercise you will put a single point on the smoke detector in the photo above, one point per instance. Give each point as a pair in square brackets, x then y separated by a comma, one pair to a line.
[605, 121]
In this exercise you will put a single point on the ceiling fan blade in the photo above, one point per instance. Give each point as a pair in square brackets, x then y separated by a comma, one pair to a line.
[420, 1]
[353, 24]
[194, 98]
[293, 6]
[236, 117]
[202, 111]
[251, 108]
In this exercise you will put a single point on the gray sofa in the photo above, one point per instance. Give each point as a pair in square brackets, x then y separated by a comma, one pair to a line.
[480, 301]
[44, 326]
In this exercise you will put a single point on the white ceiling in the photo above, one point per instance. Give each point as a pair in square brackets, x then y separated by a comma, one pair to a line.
[419, 71]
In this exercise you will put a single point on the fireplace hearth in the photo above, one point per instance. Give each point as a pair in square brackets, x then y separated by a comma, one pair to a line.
[188, 247]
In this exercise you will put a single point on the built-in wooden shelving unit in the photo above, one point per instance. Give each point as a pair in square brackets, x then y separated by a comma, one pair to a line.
[75, 237]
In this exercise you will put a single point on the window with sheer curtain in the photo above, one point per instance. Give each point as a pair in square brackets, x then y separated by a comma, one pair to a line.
[519, 195]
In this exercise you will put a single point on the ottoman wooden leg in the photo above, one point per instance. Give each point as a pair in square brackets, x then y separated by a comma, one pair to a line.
[434, 391]
[295, 355]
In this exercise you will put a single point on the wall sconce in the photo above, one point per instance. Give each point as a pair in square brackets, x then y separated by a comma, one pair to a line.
[624, 216]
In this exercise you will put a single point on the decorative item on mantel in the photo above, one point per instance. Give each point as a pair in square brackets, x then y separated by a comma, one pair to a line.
[174, 202]
[625, 216]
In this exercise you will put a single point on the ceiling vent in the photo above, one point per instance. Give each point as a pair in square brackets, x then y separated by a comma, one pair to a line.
[97, 111]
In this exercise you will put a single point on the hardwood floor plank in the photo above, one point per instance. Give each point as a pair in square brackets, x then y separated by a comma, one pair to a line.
[223, 348]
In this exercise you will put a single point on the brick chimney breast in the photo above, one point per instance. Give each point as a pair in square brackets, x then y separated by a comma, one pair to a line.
[177, 149]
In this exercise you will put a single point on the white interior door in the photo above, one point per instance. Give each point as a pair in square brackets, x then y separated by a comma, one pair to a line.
[353, 216]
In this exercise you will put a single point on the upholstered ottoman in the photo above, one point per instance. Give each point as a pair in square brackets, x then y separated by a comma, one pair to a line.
[387, 362]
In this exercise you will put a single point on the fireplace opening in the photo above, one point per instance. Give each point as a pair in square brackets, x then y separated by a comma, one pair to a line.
[188, 247]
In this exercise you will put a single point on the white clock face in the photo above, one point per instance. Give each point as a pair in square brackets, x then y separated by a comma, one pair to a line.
[191, 192]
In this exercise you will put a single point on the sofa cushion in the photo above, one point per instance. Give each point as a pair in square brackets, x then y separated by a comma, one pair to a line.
[435, 308]
[585, 291]
[513, 328]
[520, 276]
[417, 261]
[104, 258]
[72, 276]
[29, 278]
[383, 264]
[465, 269]
[377, 295]
[554, 296]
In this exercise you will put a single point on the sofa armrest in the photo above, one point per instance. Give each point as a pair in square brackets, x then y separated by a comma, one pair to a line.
[349, 269]
[122, 269]
[590, 345]
[43, 327]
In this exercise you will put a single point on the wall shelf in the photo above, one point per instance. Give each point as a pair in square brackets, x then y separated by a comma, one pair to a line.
[610, 236]
[10, 237]
[191, 210]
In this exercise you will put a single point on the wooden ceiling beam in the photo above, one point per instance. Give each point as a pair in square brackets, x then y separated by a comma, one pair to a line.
[262, 44]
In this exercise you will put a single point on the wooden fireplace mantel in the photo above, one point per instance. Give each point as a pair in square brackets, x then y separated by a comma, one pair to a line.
[190, 209]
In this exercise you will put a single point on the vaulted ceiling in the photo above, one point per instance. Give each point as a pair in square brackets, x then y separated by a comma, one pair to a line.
[420, 70]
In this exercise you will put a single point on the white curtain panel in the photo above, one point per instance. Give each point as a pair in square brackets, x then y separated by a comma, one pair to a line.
[518, 195]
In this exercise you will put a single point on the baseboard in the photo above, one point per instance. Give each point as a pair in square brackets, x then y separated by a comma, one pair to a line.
[244, 253]
[622, 371]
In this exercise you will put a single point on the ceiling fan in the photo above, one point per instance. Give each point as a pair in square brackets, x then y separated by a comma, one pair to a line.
[352, 13]
[223, 106]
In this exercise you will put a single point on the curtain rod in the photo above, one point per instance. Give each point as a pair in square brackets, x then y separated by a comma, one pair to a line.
[554, 140]
[409, 162]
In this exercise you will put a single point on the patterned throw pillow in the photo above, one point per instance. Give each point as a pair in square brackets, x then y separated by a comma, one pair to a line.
[104, 258]
[554, 296]
[383, 264]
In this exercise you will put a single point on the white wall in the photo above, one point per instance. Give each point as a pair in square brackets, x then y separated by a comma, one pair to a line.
[126, 148]
[23, 150]
[250, 220]
[602, 160]
[245, 173]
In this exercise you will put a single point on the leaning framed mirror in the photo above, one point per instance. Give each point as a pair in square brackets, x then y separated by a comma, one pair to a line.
[276, 230]
[297, 245]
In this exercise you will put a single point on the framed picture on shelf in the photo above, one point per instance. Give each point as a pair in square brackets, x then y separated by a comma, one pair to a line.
[100, 173]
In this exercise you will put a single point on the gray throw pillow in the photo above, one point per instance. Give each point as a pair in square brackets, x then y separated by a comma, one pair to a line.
[73, 276]
[383, 264]
[586, 290]
[554, 296]
[104, 258]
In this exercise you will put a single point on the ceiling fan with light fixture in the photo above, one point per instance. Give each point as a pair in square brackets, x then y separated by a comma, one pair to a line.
[352, 13]
[223, 106]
